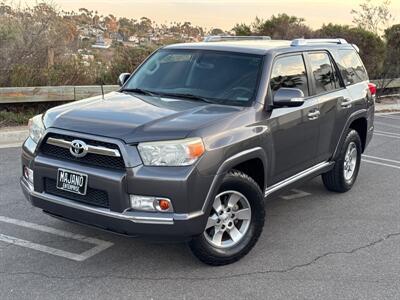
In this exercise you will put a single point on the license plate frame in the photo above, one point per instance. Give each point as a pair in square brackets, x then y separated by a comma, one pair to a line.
[72, 181]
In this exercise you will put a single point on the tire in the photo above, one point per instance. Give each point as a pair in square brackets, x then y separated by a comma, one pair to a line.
[221, 244]
[338, 179]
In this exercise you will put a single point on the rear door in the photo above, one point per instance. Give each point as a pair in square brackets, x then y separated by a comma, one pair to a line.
[294, 130]
[333, 99]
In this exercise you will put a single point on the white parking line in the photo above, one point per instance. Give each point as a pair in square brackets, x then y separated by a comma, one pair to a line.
[380, 158]
[381, 164]
[387, 132]
[101, 245]
[296, 195]
[387, 135]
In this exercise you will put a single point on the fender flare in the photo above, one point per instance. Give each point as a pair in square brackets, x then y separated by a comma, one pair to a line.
[354, 116]
[226, 166]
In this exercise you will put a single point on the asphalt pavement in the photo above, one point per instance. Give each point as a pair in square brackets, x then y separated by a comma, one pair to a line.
[315, 245]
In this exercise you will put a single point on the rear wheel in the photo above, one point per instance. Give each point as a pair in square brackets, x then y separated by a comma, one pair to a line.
[234, 224]
[344, 174]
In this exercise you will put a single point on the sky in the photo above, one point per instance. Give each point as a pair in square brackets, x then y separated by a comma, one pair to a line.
[223, 13]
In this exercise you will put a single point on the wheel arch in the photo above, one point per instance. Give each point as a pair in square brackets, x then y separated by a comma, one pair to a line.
[243, 161]
[357, 121]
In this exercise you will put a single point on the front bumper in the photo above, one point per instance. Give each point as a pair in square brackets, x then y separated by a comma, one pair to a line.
[126, 223]
[187, 189]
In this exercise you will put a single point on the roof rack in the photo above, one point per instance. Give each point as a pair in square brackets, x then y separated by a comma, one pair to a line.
[220, 38]
[304, 42]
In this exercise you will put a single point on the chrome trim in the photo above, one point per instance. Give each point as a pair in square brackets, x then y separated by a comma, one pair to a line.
[296, 177]
[220, 38]
[90, 149]
[126, 215]
[27, 185]
[303, 42]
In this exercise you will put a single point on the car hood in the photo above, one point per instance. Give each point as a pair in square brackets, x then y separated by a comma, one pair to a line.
[134, 118]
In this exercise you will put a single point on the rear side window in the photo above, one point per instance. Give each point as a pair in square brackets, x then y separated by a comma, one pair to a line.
[324, 73]
[289, 72]
[351, 67]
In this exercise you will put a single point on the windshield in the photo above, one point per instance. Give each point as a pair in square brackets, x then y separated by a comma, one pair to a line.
[215, 76]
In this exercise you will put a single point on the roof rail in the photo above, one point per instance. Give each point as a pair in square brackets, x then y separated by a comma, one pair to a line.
[220, 38]
[303, 42]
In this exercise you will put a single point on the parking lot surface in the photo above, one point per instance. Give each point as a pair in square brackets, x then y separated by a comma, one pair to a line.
[315, 245]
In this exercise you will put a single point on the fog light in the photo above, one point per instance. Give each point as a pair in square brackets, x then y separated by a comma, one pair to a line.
[28, 174]
[149, 203]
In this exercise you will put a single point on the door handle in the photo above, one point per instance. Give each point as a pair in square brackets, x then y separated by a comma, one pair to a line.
[314, 114]
[346, 103]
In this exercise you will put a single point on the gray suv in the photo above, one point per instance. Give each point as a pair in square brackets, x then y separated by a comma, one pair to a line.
[199, 136]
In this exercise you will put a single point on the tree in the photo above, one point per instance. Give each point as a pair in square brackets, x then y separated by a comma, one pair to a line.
[31, 39]
[391, 67]
[242, 29]
[372, 47]
[373, 17]
[217, 31]
[283, 27]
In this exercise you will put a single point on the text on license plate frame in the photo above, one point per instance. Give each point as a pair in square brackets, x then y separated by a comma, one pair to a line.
[62, 185]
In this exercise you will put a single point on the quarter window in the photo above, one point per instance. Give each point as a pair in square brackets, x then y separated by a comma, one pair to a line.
[289, 72]
[324, 73]
[351, 67]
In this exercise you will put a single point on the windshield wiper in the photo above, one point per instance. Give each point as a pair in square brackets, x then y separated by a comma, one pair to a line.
[187, 96]
[139, 91]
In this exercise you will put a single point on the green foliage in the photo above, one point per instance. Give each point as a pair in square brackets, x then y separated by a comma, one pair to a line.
[242, 29]
[283, 27]
[10, 118]
[392, 60]
[125, 60]
[280, 27]
[372, 47]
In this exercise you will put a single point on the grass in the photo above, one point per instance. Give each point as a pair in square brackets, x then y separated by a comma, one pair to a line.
[10, 118]
[19, 114]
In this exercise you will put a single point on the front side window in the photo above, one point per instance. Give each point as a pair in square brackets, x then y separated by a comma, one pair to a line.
[218, 76]
[289, 72]
[324, 73]
[351, 67]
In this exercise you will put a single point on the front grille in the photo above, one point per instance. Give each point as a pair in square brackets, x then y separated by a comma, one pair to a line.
[89, 159]
[93, 196]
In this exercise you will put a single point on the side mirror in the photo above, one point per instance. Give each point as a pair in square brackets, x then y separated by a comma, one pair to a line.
[289, 97]
[123, 78]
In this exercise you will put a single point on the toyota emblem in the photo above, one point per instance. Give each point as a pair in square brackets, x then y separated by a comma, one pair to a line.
[78, 148]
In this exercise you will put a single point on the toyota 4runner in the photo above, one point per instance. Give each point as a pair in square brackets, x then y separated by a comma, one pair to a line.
[199, 136]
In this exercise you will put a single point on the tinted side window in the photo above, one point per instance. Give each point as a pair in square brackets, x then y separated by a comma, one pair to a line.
[324, 73]
[289, 72]
[351, 67]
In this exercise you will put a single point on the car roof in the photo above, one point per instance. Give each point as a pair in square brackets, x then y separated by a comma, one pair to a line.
[259, 47]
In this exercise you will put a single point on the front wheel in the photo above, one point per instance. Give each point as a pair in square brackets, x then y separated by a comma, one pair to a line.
[343, 175]
[235, 222]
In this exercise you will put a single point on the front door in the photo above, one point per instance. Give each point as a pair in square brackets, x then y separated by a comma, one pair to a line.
[294, 131]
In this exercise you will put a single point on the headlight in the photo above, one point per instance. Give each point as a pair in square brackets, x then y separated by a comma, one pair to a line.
[36, 128]
[171, 153]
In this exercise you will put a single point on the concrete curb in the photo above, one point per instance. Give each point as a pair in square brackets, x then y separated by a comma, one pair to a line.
[387, 107]
[13, 137]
